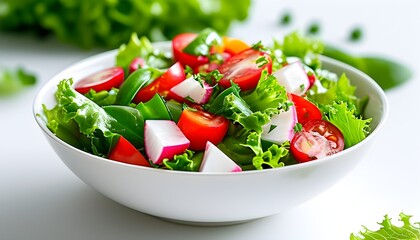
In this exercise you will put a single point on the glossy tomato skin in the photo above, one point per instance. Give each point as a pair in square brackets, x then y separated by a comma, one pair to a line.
[200, 126]
[243, 70]
[319, 138]
[103, 80]
[125, 152]
[305, 110]
[173, 76]
[179, 42]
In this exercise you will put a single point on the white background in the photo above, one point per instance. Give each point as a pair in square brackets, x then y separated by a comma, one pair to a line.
[40, 199]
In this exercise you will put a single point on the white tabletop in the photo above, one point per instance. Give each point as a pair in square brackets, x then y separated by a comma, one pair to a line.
[41, 199]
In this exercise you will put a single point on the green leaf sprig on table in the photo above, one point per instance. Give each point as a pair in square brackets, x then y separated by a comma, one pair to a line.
[15, 80]
[390, 231]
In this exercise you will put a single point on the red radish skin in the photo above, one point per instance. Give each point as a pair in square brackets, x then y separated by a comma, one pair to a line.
[214, 160]
[163, 139]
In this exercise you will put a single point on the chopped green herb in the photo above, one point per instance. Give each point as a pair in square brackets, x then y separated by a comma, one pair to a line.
[314, 28]
[356, 34]
[261, 61]
[286, 19]
[272, 127]
[257, 46]
[297, 128]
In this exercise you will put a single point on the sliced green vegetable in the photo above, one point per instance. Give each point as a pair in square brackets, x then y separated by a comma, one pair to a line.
[127, 122]
[154, 109]
[175, 109]
[202, 44]
[388, 230]
[135, 81]
[386, 72]
[103, 98]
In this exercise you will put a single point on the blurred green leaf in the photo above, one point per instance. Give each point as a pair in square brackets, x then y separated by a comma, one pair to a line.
[108, 23]
[14, 80]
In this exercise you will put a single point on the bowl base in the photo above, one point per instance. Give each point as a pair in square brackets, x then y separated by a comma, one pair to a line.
[206, 224]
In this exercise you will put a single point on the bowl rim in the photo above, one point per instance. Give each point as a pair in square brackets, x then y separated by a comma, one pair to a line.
[37, 104]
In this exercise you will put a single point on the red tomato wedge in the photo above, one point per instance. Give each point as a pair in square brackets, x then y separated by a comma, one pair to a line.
[125, 152]
[173, 76]
[305, 110]
[179, 43]
[200, 126]
[243, 69]
[102, 80]
[318, 139]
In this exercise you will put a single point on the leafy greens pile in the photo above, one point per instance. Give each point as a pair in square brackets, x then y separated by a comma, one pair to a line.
[94, 121]
[108, 23]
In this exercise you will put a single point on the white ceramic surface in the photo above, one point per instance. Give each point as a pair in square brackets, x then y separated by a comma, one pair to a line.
[211, 198]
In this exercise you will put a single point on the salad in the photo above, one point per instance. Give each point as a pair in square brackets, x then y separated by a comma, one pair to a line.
[211, 104]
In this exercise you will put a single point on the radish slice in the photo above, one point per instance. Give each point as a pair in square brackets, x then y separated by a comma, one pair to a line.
[281, 127]
[163, 139]
[191, 89]
[215, 160]
[294, 78]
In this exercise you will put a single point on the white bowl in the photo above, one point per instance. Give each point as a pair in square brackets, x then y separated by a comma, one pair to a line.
[209, 198]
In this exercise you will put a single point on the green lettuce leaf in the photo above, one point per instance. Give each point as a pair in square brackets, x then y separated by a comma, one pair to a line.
[296, 44]
[337, 91]
[108, 23]
[188, 161]
[73, 109]
[272, 158]
[268, 97]
[142, 48]
[390, 231]
[354, 129]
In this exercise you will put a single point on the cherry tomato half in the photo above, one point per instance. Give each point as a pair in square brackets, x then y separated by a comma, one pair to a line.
[173, 76]
[305, 110]
[179, 43]
[200, 126]
[243, 69]
[102, 80]
[318, 139]
[125, 152]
